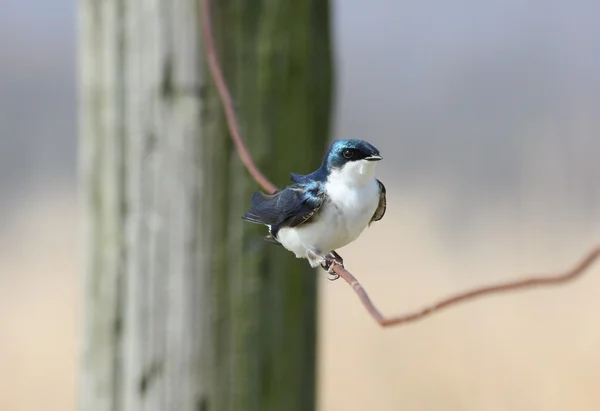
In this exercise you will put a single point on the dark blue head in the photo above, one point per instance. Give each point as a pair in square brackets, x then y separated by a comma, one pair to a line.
[342, 152]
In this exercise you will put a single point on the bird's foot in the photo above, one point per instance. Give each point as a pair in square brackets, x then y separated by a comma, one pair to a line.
[327, 262]
[338, 258]
[328, 265]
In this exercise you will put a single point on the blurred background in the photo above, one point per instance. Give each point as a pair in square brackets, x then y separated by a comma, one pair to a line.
[488, 118]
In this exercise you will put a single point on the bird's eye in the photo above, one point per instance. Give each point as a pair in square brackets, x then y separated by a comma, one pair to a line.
[348, 153]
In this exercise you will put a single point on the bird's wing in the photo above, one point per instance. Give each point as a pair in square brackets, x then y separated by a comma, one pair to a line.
[380, 211]
[289, 207]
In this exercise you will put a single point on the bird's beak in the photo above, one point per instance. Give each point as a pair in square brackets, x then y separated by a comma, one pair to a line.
[373, 158]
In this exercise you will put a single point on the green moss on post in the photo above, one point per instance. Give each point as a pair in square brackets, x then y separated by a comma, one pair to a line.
[277, 61]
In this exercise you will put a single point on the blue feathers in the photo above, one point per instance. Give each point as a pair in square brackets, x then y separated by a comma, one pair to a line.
[336, 158]
[289, 207]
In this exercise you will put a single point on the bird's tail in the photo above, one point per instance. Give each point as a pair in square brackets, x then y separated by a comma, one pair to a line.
[254, 215]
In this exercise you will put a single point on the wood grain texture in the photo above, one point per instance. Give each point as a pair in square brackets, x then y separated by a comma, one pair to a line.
[186, 307]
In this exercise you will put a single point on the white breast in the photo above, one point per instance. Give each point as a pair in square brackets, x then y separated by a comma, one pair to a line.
[353, 197]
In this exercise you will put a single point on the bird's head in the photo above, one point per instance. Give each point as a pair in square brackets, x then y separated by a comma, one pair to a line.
[352, 160]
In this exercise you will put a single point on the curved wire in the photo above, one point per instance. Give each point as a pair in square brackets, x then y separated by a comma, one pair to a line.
[232, 123]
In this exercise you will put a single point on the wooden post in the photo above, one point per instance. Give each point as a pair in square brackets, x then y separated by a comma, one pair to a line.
[186, 307]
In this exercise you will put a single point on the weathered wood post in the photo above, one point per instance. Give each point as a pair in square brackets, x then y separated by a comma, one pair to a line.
[186, 308]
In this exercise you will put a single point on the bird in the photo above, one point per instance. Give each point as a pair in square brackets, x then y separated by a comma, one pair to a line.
[327, 209]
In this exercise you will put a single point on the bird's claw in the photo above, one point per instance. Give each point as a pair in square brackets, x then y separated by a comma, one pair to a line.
[333, 277]
[328, 265]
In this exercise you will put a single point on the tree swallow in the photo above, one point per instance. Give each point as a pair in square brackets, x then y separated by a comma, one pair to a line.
[326, 209]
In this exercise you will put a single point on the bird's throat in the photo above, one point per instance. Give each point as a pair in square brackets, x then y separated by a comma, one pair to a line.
[353, 174]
